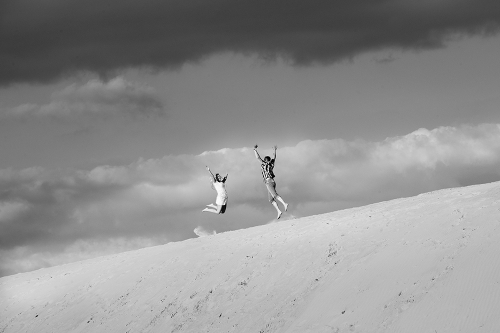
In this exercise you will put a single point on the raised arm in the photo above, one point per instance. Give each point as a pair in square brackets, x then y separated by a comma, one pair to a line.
[275, 147]
[211, 174]
[257, 156]
[225, 178]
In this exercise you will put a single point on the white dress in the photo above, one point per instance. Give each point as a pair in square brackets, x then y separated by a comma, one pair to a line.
[220, 187]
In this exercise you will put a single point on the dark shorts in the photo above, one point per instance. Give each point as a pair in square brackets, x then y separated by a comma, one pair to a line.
[271, 189]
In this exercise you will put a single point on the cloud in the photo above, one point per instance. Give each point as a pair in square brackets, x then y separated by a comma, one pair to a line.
[56, 38]
[202, 232]
[46, 212]
[96, 99]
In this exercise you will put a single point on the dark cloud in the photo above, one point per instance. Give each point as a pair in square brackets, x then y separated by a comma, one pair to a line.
[41, 41]
[96, 99]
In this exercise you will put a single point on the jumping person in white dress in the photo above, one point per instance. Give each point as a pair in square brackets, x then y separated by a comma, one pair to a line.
[218, 184]
[267, 167]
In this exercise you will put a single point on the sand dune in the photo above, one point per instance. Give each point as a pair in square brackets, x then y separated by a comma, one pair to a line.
[428, 263]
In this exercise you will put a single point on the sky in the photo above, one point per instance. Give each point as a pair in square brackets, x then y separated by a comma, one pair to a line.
[110, 111]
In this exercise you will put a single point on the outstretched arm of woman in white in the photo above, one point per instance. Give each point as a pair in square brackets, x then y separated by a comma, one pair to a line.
[211, 174]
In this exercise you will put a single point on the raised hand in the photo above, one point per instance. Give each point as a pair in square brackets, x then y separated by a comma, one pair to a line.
[255, 147]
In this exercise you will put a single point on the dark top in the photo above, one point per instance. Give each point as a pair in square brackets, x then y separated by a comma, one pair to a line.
[267, 170]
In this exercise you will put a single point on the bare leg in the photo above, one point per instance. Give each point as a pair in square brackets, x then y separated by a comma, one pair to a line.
[280, 199]
[212, 206]
[277, 209]
[215, 211]
[273, 195]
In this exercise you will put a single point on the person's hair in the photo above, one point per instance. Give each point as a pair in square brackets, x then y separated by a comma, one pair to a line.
[217, 175]
[267, 159]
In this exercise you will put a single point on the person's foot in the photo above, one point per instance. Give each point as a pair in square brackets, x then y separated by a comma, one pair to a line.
[286, 207]
[206, 210]
[211, 206]
[279, 215]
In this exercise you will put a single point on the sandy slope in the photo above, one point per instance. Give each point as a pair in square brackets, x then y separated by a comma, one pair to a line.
[429, 263]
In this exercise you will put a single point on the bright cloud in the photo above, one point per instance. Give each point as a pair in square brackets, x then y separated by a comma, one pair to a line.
[97, 99]
[46, 211]
[202, 232]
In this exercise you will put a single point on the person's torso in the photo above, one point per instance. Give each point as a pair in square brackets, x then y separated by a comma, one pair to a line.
[220, 187]
[267, 170]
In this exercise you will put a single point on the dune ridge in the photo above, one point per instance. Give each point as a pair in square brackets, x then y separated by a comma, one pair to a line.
[427, 263]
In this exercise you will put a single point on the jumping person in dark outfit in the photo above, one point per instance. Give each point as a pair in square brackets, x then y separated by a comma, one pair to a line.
[267, 167]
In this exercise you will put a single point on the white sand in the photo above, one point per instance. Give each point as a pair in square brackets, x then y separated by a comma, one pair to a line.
[429, 263]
